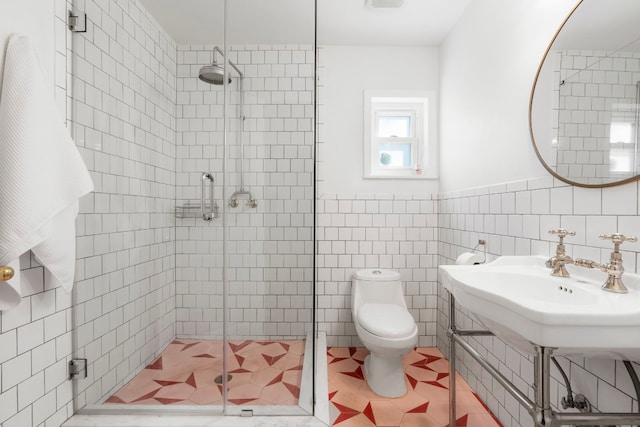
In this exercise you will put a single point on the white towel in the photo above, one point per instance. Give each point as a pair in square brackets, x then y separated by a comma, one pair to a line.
[42, 175]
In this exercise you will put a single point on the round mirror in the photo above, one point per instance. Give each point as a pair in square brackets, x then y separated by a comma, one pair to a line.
[584, 113]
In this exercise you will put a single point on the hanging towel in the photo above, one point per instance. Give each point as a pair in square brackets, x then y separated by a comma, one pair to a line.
[42, 175]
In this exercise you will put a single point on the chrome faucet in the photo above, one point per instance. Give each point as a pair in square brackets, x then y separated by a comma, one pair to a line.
[558, 262]
[614, 268]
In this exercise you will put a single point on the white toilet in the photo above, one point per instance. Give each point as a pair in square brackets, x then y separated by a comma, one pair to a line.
[385, 327]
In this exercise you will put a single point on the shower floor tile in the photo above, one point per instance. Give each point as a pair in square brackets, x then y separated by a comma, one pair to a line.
[426, 403]
[264, 373]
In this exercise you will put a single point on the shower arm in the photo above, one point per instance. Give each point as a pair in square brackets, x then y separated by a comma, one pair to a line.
[217, 49]
[241, 134]
[233, 202]
[221, 53]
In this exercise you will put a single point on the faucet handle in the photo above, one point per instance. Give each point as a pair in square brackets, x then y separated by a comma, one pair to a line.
[618, 239]
[562, 233]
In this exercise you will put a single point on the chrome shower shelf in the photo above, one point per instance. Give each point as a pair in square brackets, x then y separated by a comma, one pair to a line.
[194, 210]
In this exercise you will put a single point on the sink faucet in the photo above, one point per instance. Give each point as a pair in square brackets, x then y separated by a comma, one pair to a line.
[614, 268]
[558, 262]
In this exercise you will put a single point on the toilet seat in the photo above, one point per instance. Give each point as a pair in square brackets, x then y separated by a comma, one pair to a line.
[386, 320]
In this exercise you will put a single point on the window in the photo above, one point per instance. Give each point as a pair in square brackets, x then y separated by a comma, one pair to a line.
[622, 153]
[399, 135]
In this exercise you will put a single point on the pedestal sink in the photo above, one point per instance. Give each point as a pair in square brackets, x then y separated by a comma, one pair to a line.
[517, 299]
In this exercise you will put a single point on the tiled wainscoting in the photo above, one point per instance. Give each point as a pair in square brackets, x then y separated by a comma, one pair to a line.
[376, 231]
[514, 219]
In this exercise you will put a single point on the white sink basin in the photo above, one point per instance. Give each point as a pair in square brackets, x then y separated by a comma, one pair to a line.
[517, 299]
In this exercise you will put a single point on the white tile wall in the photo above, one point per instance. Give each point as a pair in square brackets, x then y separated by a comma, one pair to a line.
[270, 248]
[514, 219]
[124, 102]
[358, 231]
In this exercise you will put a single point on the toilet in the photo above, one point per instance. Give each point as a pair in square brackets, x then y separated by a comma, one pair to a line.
[385, 327]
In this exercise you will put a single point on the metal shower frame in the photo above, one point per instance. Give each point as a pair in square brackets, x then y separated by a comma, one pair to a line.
[233, 200]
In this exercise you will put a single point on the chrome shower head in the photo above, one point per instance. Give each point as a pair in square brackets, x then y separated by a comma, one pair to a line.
[213, 74]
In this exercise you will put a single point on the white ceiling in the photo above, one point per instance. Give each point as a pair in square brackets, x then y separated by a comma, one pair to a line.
[340, 22]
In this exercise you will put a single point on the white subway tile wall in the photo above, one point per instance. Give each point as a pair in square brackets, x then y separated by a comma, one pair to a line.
[124, 104]
[514, 219]
[393, 231]
[270, 247]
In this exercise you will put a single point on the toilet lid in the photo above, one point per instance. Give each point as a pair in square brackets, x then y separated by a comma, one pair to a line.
[386, 320]
[377, 275]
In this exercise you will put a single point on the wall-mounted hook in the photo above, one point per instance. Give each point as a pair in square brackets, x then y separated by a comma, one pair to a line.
[77, 22]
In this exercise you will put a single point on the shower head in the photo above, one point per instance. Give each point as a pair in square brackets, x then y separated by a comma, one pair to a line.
[213, 74]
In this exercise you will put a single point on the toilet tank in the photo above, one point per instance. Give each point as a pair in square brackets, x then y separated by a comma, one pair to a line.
[376, 286]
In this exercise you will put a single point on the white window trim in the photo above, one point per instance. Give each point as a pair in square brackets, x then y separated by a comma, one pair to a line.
[425, 138]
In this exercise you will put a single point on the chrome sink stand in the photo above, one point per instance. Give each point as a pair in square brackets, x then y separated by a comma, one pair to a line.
[539, 409]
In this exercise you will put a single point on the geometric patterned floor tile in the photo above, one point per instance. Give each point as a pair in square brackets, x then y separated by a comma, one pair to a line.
[426, 404]
[264, 373]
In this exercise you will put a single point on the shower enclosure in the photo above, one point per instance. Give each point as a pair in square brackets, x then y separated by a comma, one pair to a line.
[195, 278]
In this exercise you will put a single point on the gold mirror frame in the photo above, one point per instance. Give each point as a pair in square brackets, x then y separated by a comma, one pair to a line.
[533, 140]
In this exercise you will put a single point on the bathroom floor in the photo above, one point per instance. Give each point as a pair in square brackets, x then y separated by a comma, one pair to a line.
[426, 403]
[263, 373]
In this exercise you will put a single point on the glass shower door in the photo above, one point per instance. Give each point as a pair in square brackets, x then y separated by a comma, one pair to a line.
[269, 193]
[173, 311]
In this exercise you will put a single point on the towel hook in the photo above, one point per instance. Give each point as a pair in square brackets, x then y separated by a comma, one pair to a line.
[6, 273]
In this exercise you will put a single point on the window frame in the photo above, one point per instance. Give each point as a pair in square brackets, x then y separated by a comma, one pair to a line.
[421, 105]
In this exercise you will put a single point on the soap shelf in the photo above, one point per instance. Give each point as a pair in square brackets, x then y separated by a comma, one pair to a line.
[194, 210]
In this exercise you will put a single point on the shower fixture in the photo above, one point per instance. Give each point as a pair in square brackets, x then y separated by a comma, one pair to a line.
[214, 74]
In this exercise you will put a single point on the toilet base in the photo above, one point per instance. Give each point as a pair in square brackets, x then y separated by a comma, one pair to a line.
[385, 375]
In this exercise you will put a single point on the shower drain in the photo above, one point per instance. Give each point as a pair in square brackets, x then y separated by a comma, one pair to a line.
[218, 379]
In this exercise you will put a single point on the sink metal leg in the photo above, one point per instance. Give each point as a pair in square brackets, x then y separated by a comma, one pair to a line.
[544, 415]
[452, 361]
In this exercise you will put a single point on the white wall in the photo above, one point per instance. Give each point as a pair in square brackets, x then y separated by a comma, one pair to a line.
[488, 64]
[33, 18]
[345, 73]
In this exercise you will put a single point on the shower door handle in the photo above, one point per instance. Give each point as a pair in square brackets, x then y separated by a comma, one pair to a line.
[206, 216]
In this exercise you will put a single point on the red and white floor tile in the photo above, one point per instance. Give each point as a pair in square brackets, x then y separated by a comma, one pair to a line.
[264, 373]
[426, 403]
